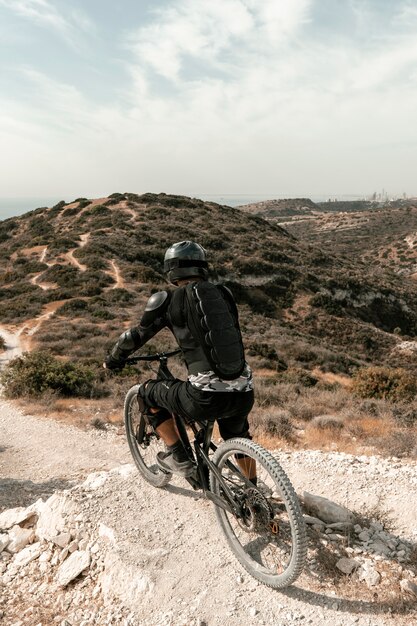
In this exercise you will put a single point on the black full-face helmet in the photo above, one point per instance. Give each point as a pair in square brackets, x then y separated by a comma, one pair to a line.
[184, 260]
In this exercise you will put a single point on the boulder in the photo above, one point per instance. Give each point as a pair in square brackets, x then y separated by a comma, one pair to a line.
[52, 514]
[72, 567]
[113, 581]
[14, 517]
[409, 587]
[28, 554]
[369, 574]
[19, 538]
[326, 510]
[347, 566]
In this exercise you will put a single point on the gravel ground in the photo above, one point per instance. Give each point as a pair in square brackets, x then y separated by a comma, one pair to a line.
[169, 538]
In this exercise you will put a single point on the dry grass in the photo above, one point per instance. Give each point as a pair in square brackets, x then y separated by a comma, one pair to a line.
[330, 418]
[75, 411]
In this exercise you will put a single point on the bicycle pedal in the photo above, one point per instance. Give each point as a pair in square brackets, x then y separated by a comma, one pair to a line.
[194, 481]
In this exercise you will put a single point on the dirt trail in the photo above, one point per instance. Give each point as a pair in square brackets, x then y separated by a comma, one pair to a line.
[14, 346]
[70, 255]
[115, 273]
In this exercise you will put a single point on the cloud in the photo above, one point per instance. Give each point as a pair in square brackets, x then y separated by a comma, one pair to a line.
[232, 95]
[213, 33]
[44, 13]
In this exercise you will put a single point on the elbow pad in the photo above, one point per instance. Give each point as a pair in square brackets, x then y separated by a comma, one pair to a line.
[127, 343]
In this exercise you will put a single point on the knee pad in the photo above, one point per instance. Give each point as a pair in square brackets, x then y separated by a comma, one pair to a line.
[156, 419]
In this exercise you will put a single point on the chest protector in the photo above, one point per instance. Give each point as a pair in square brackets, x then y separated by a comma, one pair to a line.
[211, 315]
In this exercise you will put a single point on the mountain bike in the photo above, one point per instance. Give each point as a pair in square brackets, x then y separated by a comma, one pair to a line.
[262, 524]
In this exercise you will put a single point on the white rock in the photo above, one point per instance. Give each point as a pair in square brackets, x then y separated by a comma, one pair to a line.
[95, 480]
[4, 541]
[327, 510]
[61, 540]
[124, 470]
[408, 586]
[253, 611]
[113, 581]
[19, 538]
[28, 554]
[13, 517]
[347, 565]
[107, 533]
[369, 574]
[52, 514]
[72, 567]
[73, 546]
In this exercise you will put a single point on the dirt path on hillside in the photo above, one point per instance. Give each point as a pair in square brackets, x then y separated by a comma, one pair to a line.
[185, 554]
[14, 346]
[115, 273]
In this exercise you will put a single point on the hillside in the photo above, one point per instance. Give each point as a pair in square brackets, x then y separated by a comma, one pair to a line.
[382, 237]
[378, 233]
[87, 267]
[281, 207]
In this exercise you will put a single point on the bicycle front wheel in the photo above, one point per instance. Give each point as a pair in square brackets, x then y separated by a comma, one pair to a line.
[144, 442]
[267, 535]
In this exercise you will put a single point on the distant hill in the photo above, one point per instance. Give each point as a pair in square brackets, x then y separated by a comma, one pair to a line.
[281, 207]
[381, 237]
[74, 275]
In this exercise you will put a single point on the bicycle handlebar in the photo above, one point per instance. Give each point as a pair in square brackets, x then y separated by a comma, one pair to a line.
[152, 357]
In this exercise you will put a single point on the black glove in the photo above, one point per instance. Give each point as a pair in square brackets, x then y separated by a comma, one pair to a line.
[114, 364]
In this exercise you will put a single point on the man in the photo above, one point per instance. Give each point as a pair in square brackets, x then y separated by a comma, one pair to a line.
[203, 318]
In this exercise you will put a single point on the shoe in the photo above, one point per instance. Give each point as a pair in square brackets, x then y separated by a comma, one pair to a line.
[167, 463]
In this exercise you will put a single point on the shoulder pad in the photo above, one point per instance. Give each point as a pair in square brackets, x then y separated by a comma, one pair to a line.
[156, 300]
[155, 308]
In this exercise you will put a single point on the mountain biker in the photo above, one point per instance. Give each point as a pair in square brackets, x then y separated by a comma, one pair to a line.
[203, 318]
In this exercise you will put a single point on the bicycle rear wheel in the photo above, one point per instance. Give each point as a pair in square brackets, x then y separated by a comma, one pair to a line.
[144, 442]
[268, 536]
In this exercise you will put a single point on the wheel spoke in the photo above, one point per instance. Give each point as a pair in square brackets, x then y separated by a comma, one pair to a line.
[268, 534]
[144, 442]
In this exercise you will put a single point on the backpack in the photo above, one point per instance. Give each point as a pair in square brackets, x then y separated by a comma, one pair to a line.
[212, 318]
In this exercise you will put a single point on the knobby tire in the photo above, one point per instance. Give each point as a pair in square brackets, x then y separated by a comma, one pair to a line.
[143, 452]
[270, 541]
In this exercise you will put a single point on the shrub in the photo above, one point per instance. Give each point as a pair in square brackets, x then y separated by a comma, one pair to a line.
[34, 373]
[300, 376]
[393, 384]
[405, 415]
[398, 443]
[277, 423]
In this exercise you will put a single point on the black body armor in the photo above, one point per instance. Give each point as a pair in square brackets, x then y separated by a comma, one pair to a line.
[203, 318]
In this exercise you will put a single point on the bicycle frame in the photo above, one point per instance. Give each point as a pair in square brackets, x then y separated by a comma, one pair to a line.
[202, 445]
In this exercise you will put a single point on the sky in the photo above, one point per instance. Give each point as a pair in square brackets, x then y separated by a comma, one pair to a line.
[285, 98]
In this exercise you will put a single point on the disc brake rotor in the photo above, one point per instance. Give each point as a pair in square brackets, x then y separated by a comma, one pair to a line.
[256, 512]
